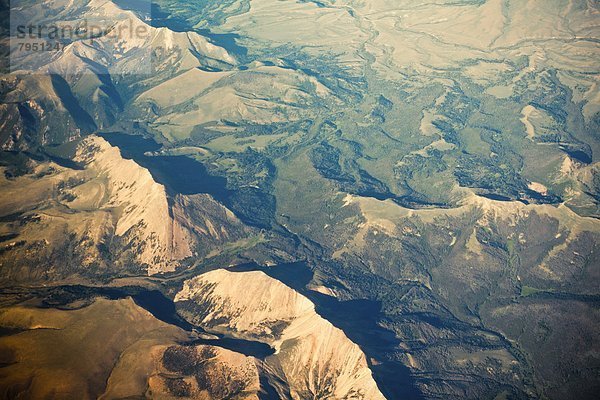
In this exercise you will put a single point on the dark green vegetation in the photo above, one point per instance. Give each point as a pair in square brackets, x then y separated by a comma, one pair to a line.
[447, 200]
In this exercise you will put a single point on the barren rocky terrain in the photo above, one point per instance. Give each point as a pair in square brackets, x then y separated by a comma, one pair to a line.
[333, 199]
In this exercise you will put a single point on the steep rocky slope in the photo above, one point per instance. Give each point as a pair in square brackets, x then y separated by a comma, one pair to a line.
[108, 215]
[314, 358]
[141, 205]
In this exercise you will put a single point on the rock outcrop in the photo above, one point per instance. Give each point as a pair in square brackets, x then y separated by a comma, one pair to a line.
[313, 357]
